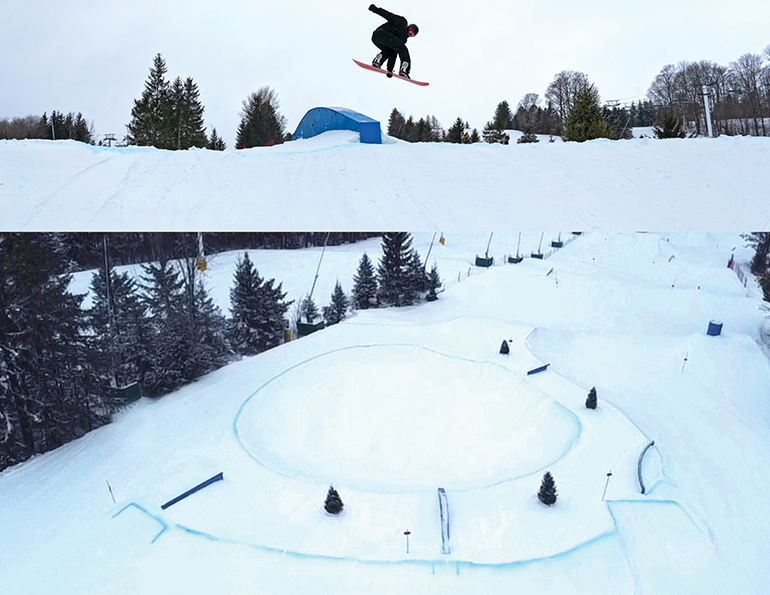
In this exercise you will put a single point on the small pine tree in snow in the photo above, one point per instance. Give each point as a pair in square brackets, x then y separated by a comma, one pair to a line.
[547, 494]
[308, 310]
[434, 282]
[528, 137]
[333, 504]
[335, 312]
[364, 285]
[668, 126]
[504, 349]
[591, 399]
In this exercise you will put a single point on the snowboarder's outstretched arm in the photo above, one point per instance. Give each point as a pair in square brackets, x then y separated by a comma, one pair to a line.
[389, 16]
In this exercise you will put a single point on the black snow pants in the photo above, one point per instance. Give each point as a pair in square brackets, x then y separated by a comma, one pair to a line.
[391, 46]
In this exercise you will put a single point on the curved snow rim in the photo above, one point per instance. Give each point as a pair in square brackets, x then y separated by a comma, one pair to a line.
[403, 418]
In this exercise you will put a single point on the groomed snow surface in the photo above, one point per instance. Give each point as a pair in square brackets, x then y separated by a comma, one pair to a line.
[333, 182]
[392, 404]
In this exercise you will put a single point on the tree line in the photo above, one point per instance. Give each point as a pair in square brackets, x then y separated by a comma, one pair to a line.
[739, 92]
[64, 367]
[78, 251]
[169, 114]
[57, 126]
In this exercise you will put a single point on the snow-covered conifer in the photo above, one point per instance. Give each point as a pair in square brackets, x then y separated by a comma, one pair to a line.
[364, 285]
[257, 308]
[337, 310]
[395, 272]
[547, 493]
[333, 503]
[434, 282]
[591, 399]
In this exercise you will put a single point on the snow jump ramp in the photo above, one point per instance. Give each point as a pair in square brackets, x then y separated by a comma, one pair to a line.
[323, 119]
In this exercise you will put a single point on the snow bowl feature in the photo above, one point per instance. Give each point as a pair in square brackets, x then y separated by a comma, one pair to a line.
[396, 418]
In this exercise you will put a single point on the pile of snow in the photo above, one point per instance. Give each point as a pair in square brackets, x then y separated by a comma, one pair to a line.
[391, 404]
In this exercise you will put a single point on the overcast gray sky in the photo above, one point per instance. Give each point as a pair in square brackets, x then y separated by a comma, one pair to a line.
[93, 56]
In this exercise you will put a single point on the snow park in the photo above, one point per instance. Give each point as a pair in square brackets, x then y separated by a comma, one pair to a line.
[436, 438]
[582, 410]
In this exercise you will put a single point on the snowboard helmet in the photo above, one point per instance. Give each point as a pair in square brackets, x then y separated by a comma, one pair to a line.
[414, 28]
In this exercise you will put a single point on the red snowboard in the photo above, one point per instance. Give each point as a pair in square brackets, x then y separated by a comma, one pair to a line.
[389, 74]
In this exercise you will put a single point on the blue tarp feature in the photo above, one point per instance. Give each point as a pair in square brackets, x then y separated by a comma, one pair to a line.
[323, 119]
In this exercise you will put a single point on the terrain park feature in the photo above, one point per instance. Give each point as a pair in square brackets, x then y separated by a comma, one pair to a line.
[323, 119]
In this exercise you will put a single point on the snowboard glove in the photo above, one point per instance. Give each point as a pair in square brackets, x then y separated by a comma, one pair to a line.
[372, 7]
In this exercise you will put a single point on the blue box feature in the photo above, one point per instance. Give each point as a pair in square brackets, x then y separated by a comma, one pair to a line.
[323, 119]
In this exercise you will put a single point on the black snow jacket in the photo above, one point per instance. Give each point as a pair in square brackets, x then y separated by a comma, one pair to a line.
[397, 25]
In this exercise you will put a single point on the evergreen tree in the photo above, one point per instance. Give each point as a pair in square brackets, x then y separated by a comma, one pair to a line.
[395, 273]
[619, 120]
[187, 115]
[527, 137]
[61, 127]
[257, 309]
[211, 348]
[48, 393]
[591, 399]
[418, 279]
[215, 142]
[456, 134]
[308, 310]
[760, 241]
[188, 333]
[493, 132]
[585, 121]
[669, 126]
[167, 116]
[396, 124]
[333, 503]
[170, 342]
[261, 122]
[336, 311]
[547, 493]
[503, 116]
[434, 282]
[121, 331]
[152, 113]
[364, 285]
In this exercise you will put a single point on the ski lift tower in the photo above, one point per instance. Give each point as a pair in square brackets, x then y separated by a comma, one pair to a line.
[707, 105]
[109, 138]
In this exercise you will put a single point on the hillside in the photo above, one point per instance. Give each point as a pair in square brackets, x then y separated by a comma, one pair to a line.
[333, 182]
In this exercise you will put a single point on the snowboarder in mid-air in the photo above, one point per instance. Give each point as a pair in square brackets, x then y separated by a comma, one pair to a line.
[391, 38]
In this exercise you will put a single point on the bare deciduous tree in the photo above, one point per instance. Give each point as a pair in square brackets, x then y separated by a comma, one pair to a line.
[562, 90]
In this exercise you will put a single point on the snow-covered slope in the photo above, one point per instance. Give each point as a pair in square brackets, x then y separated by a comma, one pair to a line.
[333, 182]
[391, 404]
